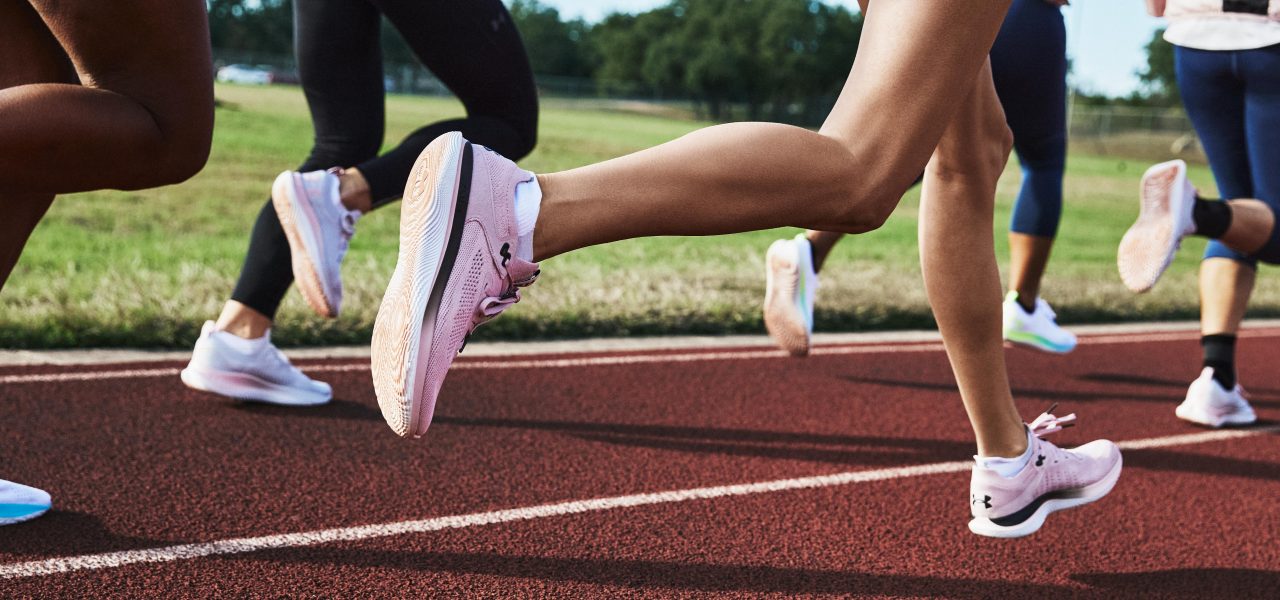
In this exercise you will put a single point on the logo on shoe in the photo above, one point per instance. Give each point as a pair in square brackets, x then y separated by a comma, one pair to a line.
[506, 254]
[1040, 460]
[985, 501]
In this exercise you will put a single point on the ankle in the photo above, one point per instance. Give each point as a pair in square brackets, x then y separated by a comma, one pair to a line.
[354, 191]
[243, 322]
[1027, 300]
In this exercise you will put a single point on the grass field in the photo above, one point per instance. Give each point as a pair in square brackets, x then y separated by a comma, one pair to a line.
[147, 268]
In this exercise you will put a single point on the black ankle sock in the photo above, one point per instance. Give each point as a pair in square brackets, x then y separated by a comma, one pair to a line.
[1220, 354]
[1212, 217]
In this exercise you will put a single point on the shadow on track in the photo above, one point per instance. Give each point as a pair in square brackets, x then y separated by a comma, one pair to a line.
[675, 576]
[838, 449]
[1055, 395]
[1188, 583]
[64, 533]
[1141, 380]
[346, 410]
[1187, 462]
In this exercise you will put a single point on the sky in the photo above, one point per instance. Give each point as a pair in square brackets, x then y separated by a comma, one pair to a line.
[1105, 37]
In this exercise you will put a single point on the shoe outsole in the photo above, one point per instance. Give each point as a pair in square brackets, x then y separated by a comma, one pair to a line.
[1090, 493]
[1038, 347]
[293, 215]
[1148, 247]
[431, 227]
[248, 388]
[782, 318]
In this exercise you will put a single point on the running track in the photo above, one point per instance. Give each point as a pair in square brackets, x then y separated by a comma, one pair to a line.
[654, 473]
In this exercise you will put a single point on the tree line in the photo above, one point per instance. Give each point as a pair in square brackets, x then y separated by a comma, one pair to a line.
[782, 60]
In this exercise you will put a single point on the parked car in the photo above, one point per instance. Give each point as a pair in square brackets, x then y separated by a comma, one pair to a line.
[244, 74]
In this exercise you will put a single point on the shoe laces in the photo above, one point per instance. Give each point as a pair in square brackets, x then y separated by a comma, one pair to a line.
[1047, 423]
[277, 356]
[492, 306]
[347, 228]
[347, 223]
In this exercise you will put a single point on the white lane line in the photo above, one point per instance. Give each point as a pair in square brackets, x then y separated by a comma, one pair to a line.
[632, 359]
[110, 560]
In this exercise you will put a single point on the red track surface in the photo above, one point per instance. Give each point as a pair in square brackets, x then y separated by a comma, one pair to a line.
[142, 462]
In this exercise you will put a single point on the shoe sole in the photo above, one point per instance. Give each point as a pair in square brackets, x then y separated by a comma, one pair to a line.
[300, 226]
[1231, 420]
[432, 218]
[782, 318]
[1062, 500]
[22, 518]
[1148, 247]
[248, 388]
[1036, 344]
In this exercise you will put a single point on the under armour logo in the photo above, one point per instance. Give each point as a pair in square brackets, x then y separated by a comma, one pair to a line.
[506, 254]
[985, 501]
[1040, 461]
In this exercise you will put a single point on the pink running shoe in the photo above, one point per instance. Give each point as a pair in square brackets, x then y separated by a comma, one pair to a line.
[1055, 479]
[1164, 219]
[319, 229]
[456, 270]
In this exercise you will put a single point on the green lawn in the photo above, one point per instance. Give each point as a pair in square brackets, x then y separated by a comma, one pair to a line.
[146, 268]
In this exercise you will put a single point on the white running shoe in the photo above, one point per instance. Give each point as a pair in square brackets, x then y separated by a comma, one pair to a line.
[262, 374]
[319, 229]
[1164, 218]
[1210, 404]
[1038, 330]
[790, 287]
[20, 503]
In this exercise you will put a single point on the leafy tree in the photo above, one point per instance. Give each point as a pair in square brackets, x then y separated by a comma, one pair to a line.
[555, 47]
[255, 27]
[1160, 79]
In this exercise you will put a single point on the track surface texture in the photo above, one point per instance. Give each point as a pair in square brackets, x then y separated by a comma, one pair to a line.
[545, 476]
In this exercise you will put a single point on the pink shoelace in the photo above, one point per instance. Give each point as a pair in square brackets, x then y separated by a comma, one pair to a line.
[1046, 423]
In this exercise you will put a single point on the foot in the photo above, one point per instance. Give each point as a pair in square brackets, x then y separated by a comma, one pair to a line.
[456, 270]
[1054, 479]
[251, 370]
[319, 229]
[1211, 405]
[1038, 330]
[790, 287]
[20, 503]
[1164, 218]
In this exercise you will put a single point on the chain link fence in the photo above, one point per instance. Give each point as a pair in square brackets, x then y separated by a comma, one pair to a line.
[1140, 133]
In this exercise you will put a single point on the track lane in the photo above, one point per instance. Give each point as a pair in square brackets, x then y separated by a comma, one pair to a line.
[527, 436]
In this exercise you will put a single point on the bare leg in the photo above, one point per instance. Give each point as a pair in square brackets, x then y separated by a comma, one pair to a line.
[957, 253]
[848, 177]
[1028, 256]
[1225, 287]
[354, 190]
[822, 242]
[242, 321]
[141, 114]
[1251, 225]
[23, 34]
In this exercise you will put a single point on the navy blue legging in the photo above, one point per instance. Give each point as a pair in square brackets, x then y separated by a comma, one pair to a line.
[1029, 64]
[1233, 99]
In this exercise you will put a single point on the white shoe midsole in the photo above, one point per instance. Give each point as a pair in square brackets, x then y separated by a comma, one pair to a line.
[243, 386]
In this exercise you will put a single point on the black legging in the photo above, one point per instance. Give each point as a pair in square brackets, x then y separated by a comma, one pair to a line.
[472, 47]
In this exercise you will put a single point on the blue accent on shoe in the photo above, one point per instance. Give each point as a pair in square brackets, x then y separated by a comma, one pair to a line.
[16, 511]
